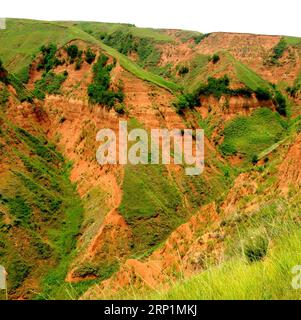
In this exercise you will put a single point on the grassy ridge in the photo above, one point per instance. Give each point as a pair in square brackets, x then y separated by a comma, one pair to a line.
[109, 28]
[23, 39]
[138, 71]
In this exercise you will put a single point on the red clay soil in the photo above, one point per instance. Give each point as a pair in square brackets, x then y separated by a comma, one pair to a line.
[290, 168]
[183, 252]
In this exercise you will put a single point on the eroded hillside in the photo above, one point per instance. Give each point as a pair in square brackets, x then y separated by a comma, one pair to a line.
[72, 228]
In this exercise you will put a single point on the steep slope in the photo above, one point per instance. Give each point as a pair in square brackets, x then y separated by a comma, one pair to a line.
[139, 227]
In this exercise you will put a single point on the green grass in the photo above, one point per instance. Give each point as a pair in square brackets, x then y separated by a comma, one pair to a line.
[293, 41]
[236, 279]
[151, 204]
[196, 68]
[43, 209]
[138, 71]
[24, 38]
[251, 135]
[248, 77]
[270, 277]
[100, 28]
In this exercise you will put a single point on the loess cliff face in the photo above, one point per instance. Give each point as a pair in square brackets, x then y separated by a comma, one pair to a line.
[65, 217]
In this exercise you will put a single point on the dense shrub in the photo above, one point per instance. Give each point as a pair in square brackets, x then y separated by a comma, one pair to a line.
[215, 58]
[90, 56]
[186, 101]
[49, 59]
[281, 105]
[279, 49]
[23, 75]
[99, 90]
[126, 43]
[22, 93]
[215, 86]
[72, 51]
[263, 94]
[198, 39]
[256, 248]
[277, 52]
[293, 91]
[78, 64]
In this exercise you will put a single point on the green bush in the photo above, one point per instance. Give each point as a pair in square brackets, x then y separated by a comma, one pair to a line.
[215, 58]
[72, 51]
[122, 41]
[263, 94]
[214, 86]
[99, 90]
[23, 75]
[293, 91]
[279, 49]
[78, 64]
[199, 38]
[49, 59]
[186, 101]
[256, 248]
[90, 56]
[20, 209]
[281, 105]
[277, 52]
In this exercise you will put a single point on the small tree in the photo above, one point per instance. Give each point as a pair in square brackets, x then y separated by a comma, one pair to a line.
[215, 58]
[183, 70]
[281, 103]
[90, 56]
[72, 51]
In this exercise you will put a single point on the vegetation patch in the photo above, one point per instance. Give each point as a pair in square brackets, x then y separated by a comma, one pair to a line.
[4, 96]
[251, 135]
[48, 60]
[49, 84]
[99, 90]
[277, 52]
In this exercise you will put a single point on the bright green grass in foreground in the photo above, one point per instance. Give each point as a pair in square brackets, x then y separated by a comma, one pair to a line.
[238, 279]
[251, 135]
